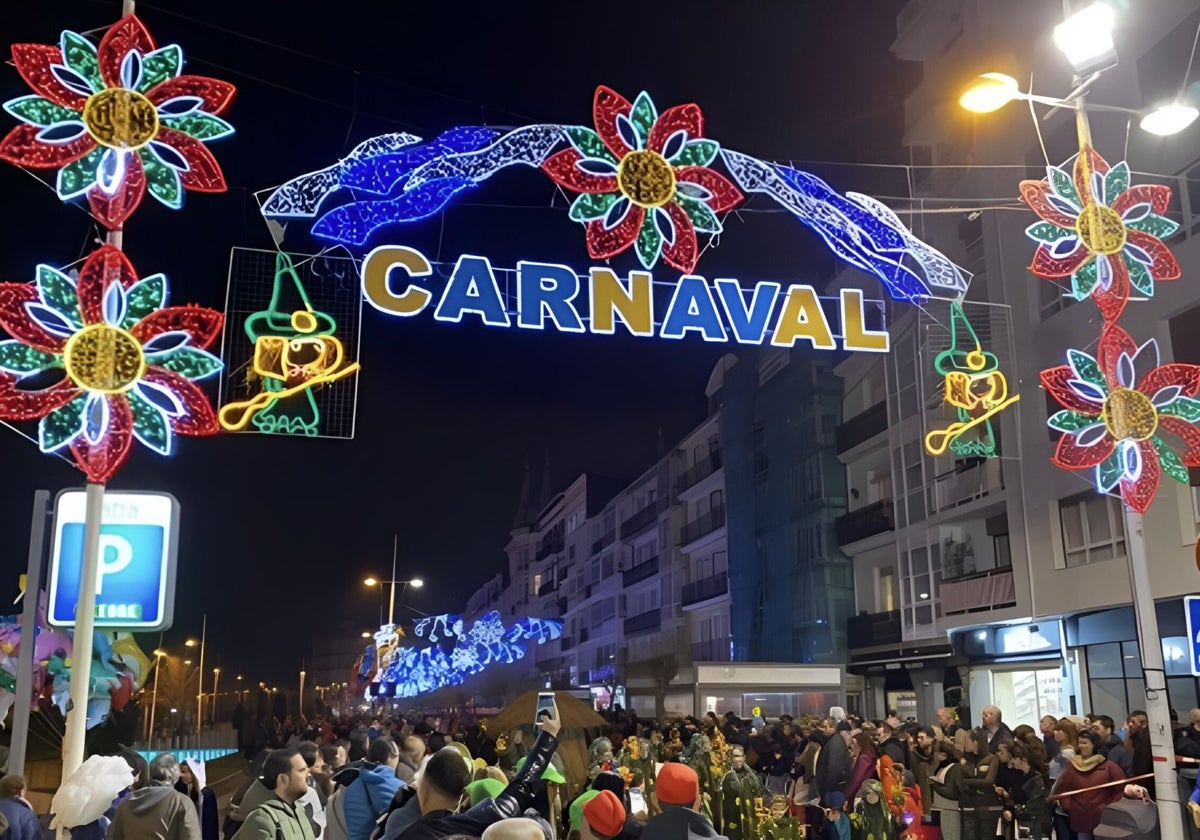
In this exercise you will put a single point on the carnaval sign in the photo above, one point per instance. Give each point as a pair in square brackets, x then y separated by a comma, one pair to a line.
[548, 295]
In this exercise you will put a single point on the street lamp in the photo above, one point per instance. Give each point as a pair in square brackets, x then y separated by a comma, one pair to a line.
[159, 653]
[1085, 38]
[216, 681]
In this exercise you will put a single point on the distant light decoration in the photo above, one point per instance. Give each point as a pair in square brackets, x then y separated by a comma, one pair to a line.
[1117, 409]
[117, 120]
[644, 181]
[975, 387]
[295, 352]
[1104, 234]
[127, 363]
[390, 670]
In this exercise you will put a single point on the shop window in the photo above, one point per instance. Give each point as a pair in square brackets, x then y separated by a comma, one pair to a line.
[1092, 529]
[1025, 696]
[1115, 679]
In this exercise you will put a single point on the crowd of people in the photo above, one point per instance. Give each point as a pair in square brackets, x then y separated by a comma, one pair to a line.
[837, 777]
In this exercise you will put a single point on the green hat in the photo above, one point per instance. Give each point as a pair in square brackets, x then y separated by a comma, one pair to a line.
[576, 809]
[483, 789]
[550, 774]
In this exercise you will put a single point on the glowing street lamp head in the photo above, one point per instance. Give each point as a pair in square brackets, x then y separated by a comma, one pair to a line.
[990, 92]
[366, 634]
[159, 652]
[370, 581]
[416, 583]
[191, 643]
[1085, 37]
[1169, 119]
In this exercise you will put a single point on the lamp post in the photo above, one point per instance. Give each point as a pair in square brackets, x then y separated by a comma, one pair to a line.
[1086, 39]
[416, 583]
[159, 653]
[300, 704]
[200, 681]
[216, 681]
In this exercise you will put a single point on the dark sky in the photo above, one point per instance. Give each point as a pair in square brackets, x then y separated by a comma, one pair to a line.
[276, 534]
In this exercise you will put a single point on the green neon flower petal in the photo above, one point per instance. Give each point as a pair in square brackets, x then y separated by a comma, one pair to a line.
[697, 153]
[79, 176]
[1116, 182]
[63, 425]
[1048, 232]
[1183, 407]
[589, 144]
[1155, 225]
[1109, 472]
[21, 359]
[80, 56]
[143, 298]
[704, 220]
[58, 293]
[1063, 184]
[149, 424]
[1084, 280]
[1087, 369]
[1069, 421]
[160, 65]
[189, 362]
[35, 110]
[200, 125]
[162, 180]
[643, 115]
[649, 242]
[589, 206]
[1140, 277]
[1170, 462]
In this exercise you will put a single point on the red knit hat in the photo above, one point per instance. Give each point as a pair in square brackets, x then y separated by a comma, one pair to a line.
[605, 814]
[677, 785]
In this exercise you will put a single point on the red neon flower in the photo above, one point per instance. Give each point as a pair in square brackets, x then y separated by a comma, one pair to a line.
[128, 362]
[643, 178]
[117, 120]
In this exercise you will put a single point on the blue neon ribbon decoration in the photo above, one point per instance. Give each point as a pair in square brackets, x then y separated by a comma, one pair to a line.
[410, 180]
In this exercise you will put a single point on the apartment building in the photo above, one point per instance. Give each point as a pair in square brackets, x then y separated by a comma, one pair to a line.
[1005, 579]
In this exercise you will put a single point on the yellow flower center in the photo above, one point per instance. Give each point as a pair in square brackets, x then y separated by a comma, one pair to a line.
[120, 118]
[646, 179]
[105, 359]
[1101, 229]
[1129, 415]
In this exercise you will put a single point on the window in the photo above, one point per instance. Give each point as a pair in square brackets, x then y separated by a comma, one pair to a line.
[1092, 529]
[1115, 679]
[1052, 298]
[575, 520]
[537, 584]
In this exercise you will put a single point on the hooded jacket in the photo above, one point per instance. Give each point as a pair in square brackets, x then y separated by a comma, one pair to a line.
[22, 821]
[679, 824]
[1083, 809]
[368, 798]
[155, 812]
[1114, 750]
[276, 820]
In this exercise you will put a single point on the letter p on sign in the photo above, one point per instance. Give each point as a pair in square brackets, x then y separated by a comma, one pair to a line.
[115, 555]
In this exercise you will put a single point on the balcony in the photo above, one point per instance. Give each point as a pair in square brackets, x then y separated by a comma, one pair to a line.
[868, 521]
[604, 542]
[700, 471]
[547, 548]
[547, 587]
[702, 525]
[640, 572]
[862, 427]
[713, 650]
[566, 643]
[873, 629]
[640, 520]
[562, 605]
[647, 622]
[705, 588]
[990, 590]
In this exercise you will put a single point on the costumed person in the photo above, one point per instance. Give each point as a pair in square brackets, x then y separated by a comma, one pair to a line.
[837, 821]
[741, 799]
[510, 748]
[697, 755]
[600, 757]
[192, 778]
[778, 824]
[636, 756]
[871, 819]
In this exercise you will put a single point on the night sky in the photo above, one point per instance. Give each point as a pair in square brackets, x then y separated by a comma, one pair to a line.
[277, 533]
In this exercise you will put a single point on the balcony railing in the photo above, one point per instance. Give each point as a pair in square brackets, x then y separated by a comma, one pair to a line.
[547, 587]
[704, 524]
[547, 548]
[990, 590]
[647, 622]
[713, 650]
[862, 427]
[605, 541]
[701, 470]
[705, 588]
[640, 572]
[865, 522]
[640, 520]
[872, 629]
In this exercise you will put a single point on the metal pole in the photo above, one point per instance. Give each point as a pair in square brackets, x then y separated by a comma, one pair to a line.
[216, 681]
[1158, 711]
[300, 710]
[392, 599]
[85, 624]
[33, 591]
[200, 679]
[154, 700]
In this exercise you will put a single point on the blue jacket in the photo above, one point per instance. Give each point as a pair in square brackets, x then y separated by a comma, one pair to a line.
[368, 798]
[22, 821]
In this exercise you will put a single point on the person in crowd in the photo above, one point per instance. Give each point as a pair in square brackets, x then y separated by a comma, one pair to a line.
[15, 809]
[1187, 739]
[948, 721]
[156, 811]
[1112, 747]
[1007, 777]
[279, 817]
[979, 802]
[833, 761]
[1138, 742]
[98, 828]
[411, 754]
[997, 730]
[1025, 804]
[312, 802]
[678, 790]
[192, 785]
[922, 758]
[604, 817]
[837, 822]
[864, 756]
[1078, 814]
[615, 784]
[741, 797]
[367, 797]
[1065, 735]
[1046, 727]
[872, 820]
[888, 744]
[945, 785]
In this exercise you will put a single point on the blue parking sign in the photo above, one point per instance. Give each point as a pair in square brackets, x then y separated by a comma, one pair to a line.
[135, 585]
[1191, 609]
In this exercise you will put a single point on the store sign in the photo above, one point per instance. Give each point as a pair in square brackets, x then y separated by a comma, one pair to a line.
[1191, 609]
[552, 296]
[135, 584]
